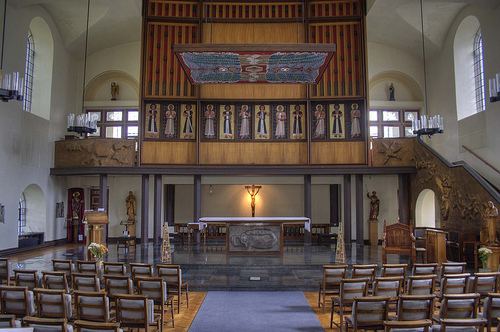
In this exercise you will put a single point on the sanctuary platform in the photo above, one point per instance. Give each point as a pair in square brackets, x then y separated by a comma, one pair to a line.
[210, 267]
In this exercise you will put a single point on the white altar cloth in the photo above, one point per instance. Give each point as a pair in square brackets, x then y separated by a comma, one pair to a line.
[283, 220]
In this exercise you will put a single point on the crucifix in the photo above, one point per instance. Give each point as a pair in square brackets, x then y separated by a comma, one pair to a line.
[253, 190]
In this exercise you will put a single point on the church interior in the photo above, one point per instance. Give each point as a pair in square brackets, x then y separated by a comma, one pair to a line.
[231, 165]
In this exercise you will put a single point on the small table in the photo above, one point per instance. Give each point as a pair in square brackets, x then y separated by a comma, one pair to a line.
[125, 242]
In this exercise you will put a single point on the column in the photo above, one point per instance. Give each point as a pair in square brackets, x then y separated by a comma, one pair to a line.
[334, 205]
[403, 198]
[307, 205]
[197, 198]
[170, 204]
[103, 191]
[157, 209]
[347, 208]
[359, 209]
[144, 209]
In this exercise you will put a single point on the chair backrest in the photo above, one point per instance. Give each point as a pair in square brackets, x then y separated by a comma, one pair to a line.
[153, 288]
[40, 324]
[141, 270]
[92, 306]
[87, 267]
[115, 268]
[4, 270]
[369, 311]
[425, 269]
[116, 285]
[332, 274]
[407, 326]
[171, 273]
[459, 306]
[492, 306]
[453, 268]
[484, 283]
[134, 311]
[398, 235]
[53, 303]
[394, 270]
[16, 300]
[454, 283]
[353, 288]
[62, 265]
[364, 271]
[388, 286]
[28, 278]
[55, 280]
[86, 326]
[415, 307]
[85, 282]
[421, 284]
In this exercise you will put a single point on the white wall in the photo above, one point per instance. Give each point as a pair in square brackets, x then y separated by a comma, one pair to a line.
[26, 149]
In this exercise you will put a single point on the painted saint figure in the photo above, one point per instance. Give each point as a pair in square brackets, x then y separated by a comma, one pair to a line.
[227, 114]
[170, 116]
[297, 122]
[209, 121]
[152, 116]
[131, 206]
[320, 116]
[187, 130]
[76, 205]
[280, 122]
[355, 121]
[261, 128]
[245, 122]
[337, 130]
[374, 205]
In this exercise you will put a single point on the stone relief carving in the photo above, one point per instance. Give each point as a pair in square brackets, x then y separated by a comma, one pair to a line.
[390, 150]
[254, 239]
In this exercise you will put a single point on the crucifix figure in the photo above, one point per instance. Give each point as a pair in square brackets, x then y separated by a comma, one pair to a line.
[253, 190]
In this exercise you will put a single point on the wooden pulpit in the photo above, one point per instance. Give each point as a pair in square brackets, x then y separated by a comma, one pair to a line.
[435, 243]
[96, 221]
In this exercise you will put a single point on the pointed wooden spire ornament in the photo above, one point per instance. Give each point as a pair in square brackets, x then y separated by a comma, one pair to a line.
[166, 254]
[340, 250]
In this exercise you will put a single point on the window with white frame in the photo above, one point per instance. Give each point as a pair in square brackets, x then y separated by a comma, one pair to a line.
[28, 72]
[116, 123]
[479, 72]
[391, 123]
[21, 220]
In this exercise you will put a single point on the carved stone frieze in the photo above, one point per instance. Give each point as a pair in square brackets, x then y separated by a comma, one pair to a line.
[392, 152]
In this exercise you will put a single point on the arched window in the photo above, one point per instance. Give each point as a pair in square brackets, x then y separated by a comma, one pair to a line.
[479, 71]
[28, 72]
[21, 222]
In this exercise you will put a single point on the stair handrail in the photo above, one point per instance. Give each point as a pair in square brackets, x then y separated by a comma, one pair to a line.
[480, 158]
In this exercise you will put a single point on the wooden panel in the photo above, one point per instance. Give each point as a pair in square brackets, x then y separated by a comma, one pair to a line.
[95, 152]
[254, 11]
[166, 153]
[173, 8]
[344, 77]
[259, 153]
[392, 152]
[163, 75]
[257, 33]
[335, 8]
[329, 153]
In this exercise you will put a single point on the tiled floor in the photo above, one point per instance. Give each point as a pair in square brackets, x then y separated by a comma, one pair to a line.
[211, 268]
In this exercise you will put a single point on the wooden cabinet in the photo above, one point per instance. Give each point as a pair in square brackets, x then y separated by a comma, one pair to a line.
[435, 244]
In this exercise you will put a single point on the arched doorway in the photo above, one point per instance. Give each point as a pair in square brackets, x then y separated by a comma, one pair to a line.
[426, 209]
[32, 210]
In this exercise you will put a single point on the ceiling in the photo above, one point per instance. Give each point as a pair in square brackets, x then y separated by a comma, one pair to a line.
[398, 22]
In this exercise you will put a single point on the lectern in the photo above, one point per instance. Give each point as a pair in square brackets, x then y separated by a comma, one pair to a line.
[96, 221]
[436, 245]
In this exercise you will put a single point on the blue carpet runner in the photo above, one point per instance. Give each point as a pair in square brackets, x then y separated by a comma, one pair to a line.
[255, 311]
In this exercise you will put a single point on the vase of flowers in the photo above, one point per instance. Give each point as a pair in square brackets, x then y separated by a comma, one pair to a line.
[484, 253]
[98, 250]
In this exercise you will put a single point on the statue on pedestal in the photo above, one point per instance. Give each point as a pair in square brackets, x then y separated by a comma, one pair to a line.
[391, 92]
[490, 214]
[115, 90]
[374, 205]
[131, 212]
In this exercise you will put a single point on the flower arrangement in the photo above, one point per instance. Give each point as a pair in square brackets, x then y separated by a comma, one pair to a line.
[98, 250]
[484, 253]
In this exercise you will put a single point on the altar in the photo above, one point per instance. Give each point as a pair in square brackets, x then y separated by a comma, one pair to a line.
[255, 235]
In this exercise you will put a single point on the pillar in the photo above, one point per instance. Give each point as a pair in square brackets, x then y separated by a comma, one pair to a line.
[307, 205]
[197, 198]
[360, 220]
[347, 208]
[157, 209]
[404, 198]
[144, 209]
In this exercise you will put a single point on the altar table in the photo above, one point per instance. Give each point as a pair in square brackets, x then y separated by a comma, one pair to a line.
[255, 235]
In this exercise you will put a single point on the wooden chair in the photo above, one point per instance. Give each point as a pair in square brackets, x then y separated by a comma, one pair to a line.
[140, 270]
[421, 285]
[28, 278]
[425, 269]
[92, 306]
[415, 307]
[394, 270]
[349, 290]
[55, 280]
[111, 268]
[398, 239]
[88, 267]
[46, 324]
[4, 271]
[172, 274]
[454, 284]
[470, 324]
[83, 326]
[116, 285]
[85, 282]
[388, 287]
[8, 321]
[16, 300]
[156, 289]
[458, 306]
[53, 303]
[63, 265]
[361, 271]
[368, 313]
[491, 310]
[330, 284]
[453, 268]
[406, 326]
[136, 311]
[485, 283]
